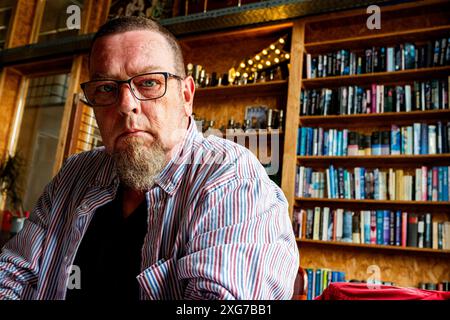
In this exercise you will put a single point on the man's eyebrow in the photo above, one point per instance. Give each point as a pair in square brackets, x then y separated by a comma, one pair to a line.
[146, 69]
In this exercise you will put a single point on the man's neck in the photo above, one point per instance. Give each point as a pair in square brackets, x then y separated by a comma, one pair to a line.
[131, 199]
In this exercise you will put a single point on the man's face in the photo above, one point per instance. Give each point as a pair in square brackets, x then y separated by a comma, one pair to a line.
[162, 121]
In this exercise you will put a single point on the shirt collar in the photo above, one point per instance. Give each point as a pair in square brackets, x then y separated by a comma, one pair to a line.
[169, 179]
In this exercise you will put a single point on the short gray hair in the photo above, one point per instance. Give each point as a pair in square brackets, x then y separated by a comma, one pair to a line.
[132, 23]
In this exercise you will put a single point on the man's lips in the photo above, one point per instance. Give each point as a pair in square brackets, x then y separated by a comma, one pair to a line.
[131, 133]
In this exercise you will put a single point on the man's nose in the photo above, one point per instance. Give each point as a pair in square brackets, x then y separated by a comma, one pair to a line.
[127, 102]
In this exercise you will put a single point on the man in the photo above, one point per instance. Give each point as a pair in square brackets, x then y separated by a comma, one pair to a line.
[160, 212]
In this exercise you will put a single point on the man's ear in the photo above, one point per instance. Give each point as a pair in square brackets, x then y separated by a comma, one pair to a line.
[188, 94]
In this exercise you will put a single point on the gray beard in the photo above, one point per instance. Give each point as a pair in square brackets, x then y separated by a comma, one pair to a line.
[137, 165]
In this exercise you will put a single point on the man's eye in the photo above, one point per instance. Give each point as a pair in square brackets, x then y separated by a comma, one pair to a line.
[149, 83]
[106, 88]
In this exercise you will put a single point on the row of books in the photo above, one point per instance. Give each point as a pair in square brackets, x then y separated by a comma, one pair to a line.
[420, 138]
[379, 227]
[424, 184]
[440, 286]
[376, 98]
[319, 279]
[379, 59]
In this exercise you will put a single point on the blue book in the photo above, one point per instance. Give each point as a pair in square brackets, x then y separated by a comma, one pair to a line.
[309, 141]
[445, 183]
[325, 143]
[398, 228]
[344, 142]
[428, 236]
[308, 178]
[335, 276]
[367, 227]
[347, 234]
[332, 186]
[386, 223]
[380, 226]
[376, 188]
[417, 137]
[341, 276]
[318, 289]
[301, 146]
[395, 140]
[339, 143]
[430, 184]
[310, 275]
[424, 139]
[440, 183]
[362, 172]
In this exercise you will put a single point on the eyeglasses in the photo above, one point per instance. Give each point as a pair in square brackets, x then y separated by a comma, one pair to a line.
[147, 86]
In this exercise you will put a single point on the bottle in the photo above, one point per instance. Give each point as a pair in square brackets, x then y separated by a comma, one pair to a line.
[280, 120]
[6, 224]
[269, 119]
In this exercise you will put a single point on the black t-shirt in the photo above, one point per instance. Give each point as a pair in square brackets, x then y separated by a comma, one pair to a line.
[109, 256]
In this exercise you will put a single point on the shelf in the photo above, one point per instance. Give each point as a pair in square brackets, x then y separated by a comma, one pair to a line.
[378, 39]
[271, 88]
[376, 161]
[263, 132]
[441, 206]
[393, 249]
[375, 119]
[378, 78]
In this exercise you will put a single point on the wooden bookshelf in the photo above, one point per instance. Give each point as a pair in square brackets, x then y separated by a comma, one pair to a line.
[390, 161]
[387, 78]
[415, 22]
[441, 206]
[375, 247]
[374, 119]
[276, 87]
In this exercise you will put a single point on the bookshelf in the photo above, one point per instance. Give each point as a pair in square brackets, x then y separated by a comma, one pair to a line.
[412, 22]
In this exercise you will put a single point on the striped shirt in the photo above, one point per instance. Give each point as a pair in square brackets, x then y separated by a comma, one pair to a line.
[218, 228]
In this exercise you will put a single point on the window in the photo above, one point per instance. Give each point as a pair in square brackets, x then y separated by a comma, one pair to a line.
[54, 20]
[6, 8]
[39, 133]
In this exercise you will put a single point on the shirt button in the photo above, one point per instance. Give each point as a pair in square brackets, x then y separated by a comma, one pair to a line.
[84, 206]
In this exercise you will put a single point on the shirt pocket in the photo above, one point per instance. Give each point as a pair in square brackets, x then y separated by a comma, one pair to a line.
[160, 281]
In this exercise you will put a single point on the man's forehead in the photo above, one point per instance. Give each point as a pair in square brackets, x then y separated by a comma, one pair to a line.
[140, 51]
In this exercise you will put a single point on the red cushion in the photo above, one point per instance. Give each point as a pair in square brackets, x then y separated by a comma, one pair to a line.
[363, 291]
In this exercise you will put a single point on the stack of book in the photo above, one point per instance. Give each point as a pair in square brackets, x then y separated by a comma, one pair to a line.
[379, 59]
[419, 138]
[376, 98]
[319, 279]
[380, 227]
[426, 184]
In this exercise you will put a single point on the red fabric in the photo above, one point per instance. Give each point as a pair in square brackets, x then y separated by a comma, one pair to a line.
[363, 291]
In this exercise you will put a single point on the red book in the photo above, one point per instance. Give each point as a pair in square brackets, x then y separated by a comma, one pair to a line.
[374, 98]
[435, 184]
[404, 228]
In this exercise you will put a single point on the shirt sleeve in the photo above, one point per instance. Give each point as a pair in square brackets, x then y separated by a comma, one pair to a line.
[20, 257]
[243, 246]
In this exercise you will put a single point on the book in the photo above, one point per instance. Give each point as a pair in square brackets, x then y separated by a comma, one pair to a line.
[412, 230]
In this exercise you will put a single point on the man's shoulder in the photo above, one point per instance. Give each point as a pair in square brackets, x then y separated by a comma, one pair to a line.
[87, 164]
[87, 158]
[222, 157]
